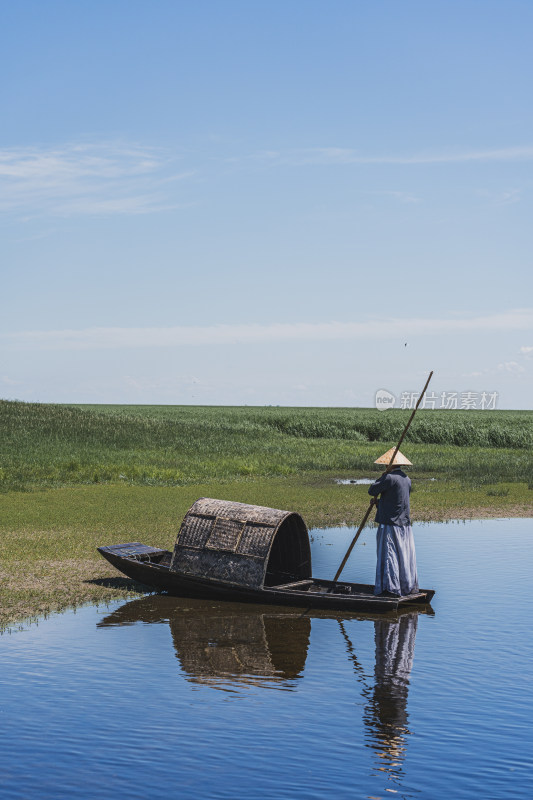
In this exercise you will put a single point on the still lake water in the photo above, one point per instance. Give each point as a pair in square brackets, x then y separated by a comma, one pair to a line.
[167, 698]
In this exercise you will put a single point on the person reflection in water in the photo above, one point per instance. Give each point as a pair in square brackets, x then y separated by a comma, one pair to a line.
[386, 712]
[396, 572]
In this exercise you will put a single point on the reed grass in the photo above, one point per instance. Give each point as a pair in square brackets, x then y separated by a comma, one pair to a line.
[55, 445]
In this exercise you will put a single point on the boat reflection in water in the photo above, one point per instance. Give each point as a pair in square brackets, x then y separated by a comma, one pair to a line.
[227, 645]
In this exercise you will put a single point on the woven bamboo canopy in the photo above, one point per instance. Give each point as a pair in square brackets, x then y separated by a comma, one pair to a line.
[241, 544]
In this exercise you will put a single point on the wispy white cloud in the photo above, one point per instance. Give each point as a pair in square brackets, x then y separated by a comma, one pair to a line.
[527, 351]
[73, 179]
[511, 366]
[143, 383]
[189, 336]
[506, 197]
[402, 197]
[344, 155]
[109, 178]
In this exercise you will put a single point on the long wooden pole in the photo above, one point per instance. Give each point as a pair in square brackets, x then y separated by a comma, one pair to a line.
[389, 467]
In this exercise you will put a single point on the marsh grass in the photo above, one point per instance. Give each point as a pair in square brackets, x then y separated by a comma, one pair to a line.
[53, 445]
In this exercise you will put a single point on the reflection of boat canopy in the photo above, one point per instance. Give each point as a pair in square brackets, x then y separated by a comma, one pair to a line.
[238, 543]
[235, 551]
[225, 642]
[247, 645]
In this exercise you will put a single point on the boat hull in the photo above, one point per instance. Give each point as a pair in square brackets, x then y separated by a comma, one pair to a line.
[152, 569]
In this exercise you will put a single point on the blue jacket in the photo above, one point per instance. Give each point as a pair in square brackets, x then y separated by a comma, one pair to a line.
[393, 505]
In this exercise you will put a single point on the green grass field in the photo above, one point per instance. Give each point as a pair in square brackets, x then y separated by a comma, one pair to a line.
[72, 478]
[53, 445]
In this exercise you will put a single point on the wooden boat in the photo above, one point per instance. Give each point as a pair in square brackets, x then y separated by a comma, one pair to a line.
[244, 553]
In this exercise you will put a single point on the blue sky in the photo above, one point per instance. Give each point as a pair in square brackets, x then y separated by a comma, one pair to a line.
[265, 202]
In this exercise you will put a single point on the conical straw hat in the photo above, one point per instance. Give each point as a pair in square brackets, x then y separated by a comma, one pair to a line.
[399, 461]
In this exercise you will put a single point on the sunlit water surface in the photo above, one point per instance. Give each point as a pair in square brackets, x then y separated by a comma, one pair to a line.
[163, 698]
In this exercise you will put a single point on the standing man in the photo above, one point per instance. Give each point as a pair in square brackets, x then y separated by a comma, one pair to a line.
[396, 564]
